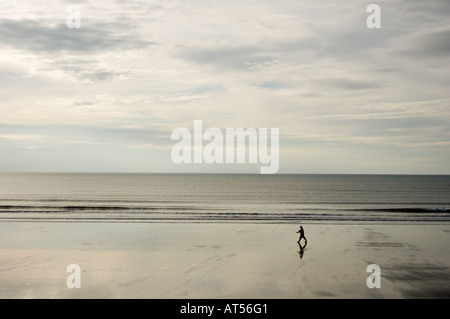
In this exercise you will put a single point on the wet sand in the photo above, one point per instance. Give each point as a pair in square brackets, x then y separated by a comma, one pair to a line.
[163, 260]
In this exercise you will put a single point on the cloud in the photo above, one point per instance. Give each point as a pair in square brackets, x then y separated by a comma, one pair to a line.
[21, 137]
[56, 135]
[30, 35]
[243, 57]
[87, 70]
[350, 84]
[87, 54]
[429, 45]
[225, 57]
[416, 14]
[136, 70]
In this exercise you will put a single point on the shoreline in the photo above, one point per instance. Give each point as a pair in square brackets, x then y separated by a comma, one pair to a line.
[227, 222]
[222, 260]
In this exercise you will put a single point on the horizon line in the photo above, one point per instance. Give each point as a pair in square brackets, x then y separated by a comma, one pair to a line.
[214, 173]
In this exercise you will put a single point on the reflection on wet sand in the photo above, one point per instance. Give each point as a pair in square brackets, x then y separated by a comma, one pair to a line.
[302, 249]
[419, 280]
[134, 260]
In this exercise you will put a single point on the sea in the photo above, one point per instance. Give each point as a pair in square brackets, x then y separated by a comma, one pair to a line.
[224, 198]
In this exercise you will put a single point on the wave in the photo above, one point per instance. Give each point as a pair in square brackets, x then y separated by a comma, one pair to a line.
[181, 213]
[180, 207]
[403, 210]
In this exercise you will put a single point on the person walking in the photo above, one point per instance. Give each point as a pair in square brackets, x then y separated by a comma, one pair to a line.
[302, 235]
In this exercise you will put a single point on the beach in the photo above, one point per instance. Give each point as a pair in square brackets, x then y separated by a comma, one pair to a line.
[222, 260]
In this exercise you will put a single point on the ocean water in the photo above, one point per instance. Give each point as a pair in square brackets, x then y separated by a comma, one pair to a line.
[232, 198]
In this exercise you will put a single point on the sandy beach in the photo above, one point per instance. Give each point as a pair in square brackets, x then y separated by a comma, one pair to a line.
[181, 260]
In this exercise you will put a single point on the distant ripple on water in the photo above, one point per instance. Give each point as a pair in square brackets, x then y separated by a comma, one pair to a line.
[225, 198]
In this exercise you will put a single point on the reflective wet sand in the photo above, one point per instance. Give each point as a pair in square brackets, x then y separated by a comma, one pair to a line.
[161, 260]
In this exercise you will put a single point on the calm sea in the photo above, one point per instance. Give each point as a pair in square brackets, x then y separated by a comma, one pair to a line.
[225, 198]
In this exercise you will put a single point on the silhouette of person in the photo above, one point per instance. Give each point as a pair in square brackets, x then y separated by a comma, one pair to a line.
[302, 235]
[301, 250]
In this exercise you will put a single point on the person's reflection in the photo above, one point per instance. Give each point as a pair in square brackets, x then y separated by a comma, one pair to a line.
[302, 249]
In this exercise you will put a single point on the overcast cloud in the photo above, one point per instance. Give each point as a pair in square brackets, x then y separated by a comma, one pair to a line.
[106, 97]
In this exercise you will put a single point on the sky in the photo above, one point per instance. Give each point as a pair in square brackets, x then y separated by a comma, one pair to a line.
[105, 97]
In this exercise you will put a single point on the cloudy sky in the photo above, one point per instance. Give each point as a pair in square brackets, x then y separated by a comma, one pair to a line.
[107, 96]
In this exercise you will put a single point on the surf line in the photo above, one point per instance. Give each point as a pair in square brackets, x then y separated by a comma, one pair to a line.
[233, 149]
